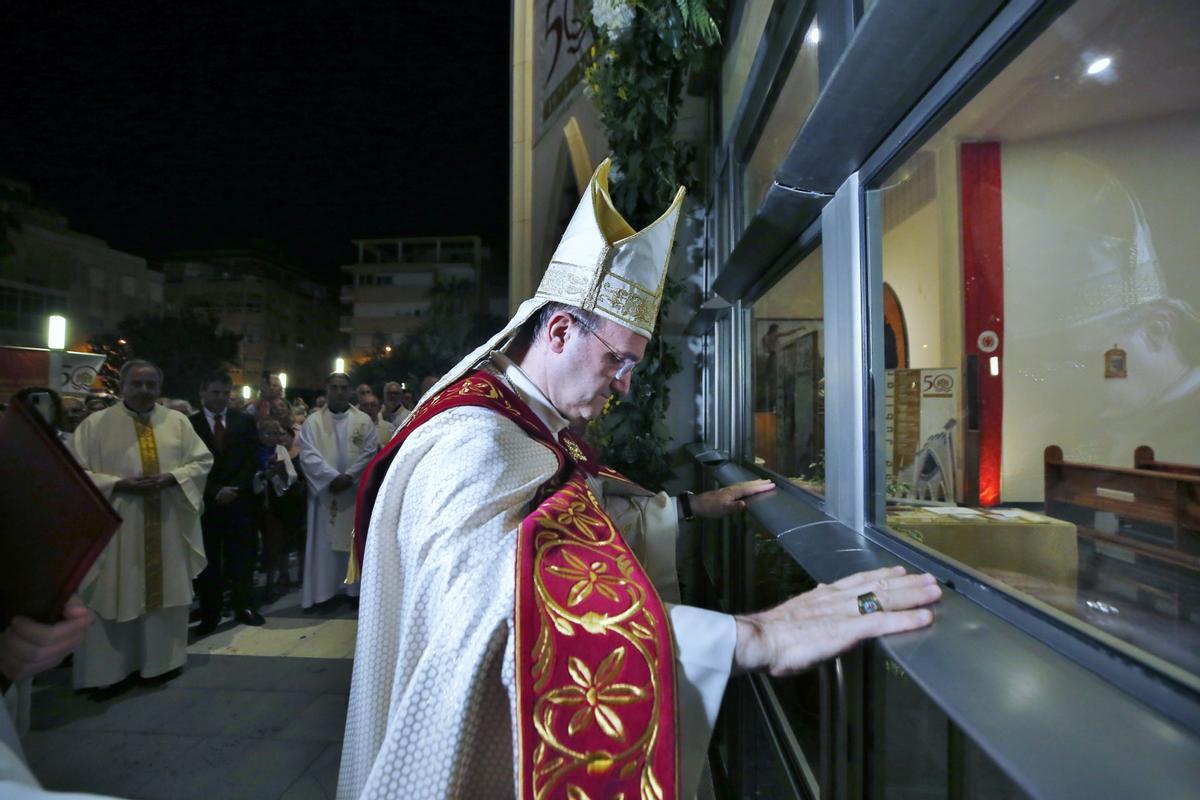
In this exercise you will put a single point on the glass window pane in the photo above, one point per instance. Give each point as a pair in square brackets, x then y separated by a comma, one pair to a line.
[772, 577]
[790, 109]
[739, 57]
[788, 424]
[915, 752]
[761, 771]
[1042, 339]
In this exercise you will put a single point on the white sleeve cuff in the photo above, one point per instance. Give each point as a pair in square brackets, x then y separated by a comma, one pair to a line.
[704, 645]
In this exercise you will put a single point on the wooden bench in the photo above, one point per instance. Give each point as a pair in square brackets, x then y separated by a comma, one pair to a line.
[1167, 496]
[1143, 458]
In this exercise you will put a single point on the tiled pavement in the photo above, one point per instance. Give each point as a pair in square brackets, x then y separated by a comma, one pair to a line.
[258, 713]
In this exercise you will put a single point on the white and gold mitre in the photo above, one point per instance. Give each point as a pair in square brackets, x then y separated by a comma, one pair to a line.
[602, 265]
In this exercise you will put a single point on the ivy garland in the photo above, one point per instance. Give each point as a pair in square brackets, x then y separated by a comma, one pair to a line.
[645, 49]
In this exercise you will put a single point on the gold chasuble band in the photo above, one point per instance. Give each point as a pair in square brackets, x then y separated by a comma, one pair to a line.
[151, 519]
[595, 680]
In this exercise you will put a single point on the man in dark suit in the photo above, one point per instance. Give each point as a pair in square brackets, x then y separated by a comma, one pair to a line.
[228, 520]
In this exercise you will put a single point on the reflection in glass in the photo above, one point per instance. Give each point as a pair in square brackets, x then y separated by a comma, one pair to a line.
[774, 576]
[1041, 248]
[790, 109]
[789, 370]
[739, 57]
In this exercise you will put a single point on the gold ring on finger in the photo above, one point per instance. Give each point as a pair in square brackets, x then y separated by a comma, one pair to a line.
[868, 603]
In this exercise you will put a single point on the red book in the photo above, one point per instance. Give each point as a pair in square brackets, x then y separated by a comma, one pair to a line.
[54, 522]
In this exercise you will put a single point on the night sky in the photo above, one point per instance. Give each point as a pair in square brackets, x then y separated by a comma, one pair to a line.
[170, 127]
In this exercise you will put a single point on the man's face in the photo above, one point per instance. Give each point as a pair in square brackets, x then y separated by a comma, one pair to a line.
[406, 397]
[270, 387]
[74, 411]
[141, 388]
[362, 390]
[337, 394]
[321, 401]
[369, 405]
[215, 396]
[583, 372]
[393, 396]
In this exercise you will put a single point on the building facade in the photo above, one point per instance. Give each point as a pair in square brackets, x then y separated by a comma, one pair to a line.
[387, 293]
[963, 229]
[288, 322]
[52, 269]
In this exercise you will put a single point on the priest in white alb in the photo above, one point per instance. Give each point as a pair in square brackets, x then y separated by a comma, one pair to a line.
[150, 464]
[336, 442]
[519, 632]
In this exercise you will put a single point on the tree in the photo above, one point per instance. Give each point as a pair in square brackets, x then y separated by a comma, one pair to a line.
[644, 52]
[187, 346]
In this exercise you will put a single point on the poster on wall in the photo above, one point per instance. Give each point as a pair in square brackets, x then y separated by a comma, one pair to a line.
[562, 50]
[921, 409]
[771, 336]
[797, 406]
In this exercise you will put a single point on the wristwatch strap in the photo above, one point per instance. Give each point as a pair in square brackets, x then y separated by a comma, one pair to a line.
[685, 505]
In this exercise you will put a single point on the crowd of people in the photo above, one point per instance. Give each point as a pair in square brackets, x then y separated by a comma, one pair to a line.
[215, 500]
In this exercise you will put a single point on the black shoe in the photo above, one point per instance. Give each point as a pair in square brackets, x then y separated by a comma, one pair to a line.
[206, 627]
[159, 680]
[105, 693]
[249, 617]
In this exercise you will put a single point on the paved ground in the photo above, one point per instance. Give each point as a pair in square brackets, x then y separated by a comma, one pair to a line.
[258, 713]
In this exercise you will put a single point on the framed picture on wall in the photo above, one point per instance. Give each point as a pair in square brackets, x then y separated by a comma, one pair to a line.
[771, 336]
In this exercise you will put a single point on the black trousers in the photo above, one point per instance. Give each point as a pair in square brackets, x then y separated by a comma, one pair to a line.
[231, 544]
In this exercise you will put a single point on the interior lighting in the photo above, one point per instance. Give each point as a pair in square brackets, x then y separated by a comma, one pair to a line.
[387, 348]
[56, 332]
[814, 35]
[283, 381]
[245, 392]
[339, 365]
[994, 366]
[1099, 65]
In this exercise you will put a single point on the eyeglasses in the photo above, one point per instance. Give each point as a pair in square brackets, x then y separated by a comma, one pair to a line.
[624, 364]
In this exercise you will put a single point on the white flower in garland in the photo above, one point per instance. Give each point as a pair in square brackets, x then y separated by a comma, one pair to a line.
[613, 16]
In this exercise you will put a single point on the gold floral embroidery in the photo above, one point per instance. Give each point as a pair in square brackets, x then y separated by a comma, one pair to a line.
[597, 694]
[587, 577]
[591, 559]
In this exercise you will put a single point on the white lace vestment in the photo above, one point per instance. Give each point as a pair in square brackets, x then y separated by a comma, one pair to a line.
[433, 697]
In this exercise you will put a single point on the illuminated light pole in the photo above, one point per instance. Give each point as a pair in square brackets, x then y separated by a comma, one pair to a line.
[339, 365]
[56, 333]
[283, 383]
[245, 392]
[56, 342]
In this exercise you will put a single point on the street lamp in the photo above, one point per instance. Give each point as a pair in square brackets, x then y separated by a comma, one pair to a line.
[56, 342]
[339, 365]
[56, 333]
[283, 381]
[245, 392]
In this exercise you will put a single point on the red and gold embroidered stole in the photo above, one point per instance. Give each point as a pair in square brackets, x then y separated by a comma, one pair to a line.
[594, 660]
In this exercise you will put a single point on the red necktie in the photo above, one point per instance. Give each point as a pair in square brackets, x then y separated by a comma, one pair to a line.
[219, 431]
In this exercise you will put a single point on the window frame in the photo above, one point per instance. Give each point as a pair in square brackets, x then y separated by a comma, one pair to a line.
[988, 653]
